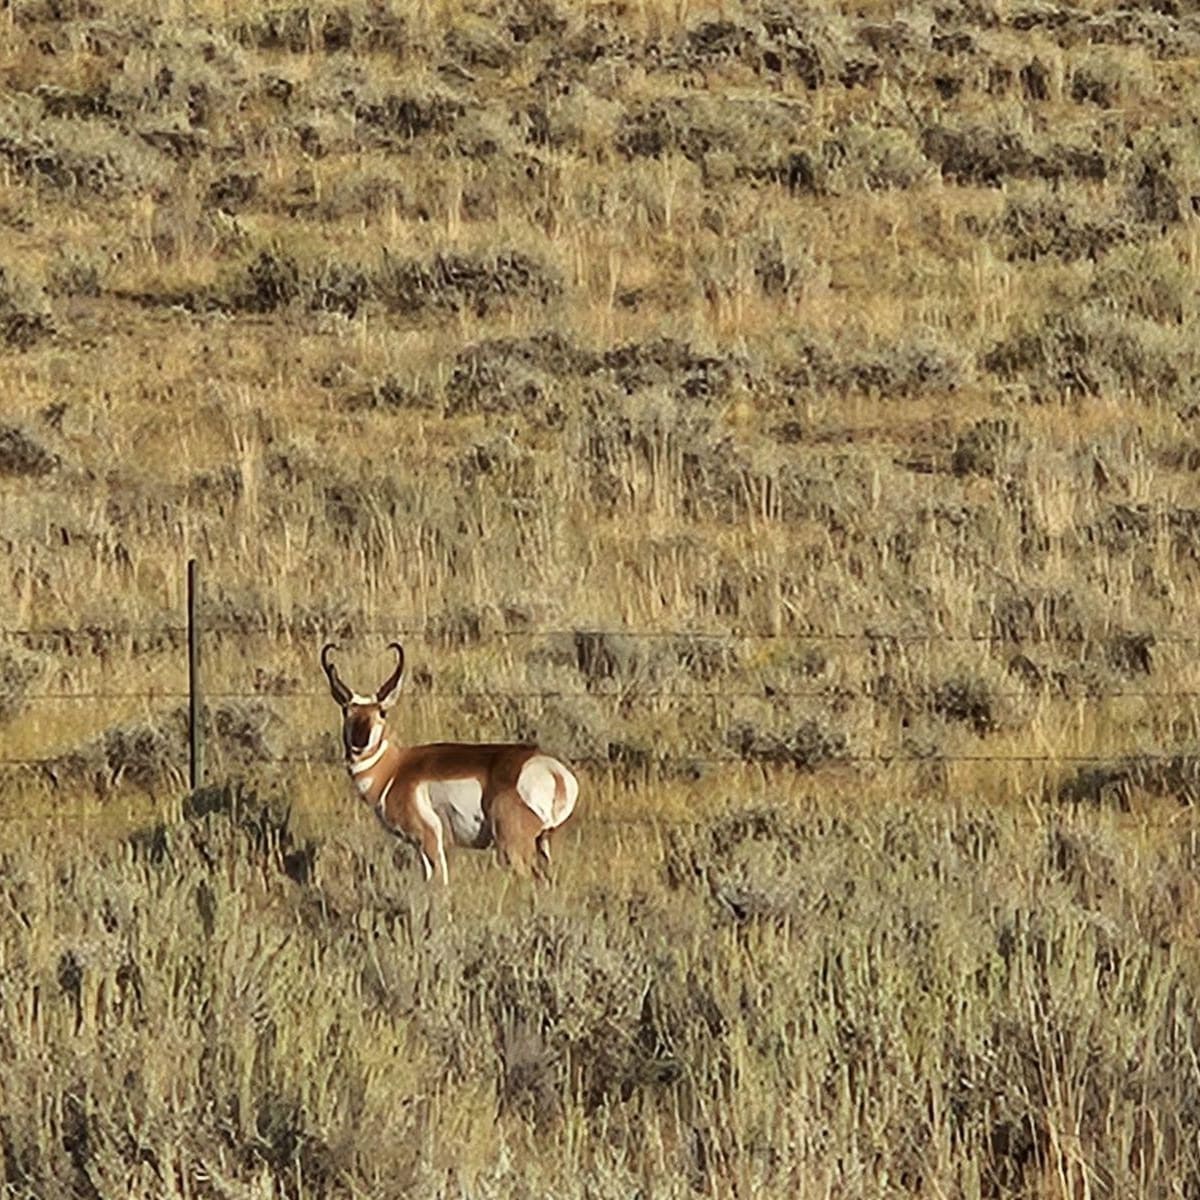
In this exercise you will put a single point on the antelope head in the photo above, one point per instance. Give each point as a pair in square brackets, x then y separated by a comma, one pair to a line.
[363, 716]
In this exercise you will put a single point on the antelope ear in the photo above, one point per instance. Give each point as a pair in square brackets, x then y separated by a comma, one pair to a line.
[389, 690]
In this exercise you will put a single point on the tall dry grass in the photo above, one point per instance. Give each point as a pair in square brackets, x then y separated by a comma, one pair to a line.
[821, 998]
[847, 349]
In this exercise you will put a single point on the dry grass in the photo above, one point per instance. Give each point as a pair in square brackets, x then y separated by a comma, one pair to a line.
[758, 321]
[855, 1000]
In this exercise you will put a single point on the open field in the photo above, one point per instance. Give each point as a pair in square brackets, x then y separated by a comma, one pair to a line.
[787, 413]
[832, 1000]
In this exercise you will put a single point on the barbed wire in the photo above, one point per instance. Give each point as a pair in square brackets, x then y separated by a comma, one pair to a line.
[452, 640]
[833, 760]
[783, 761]
[635, 757]
[767, 693]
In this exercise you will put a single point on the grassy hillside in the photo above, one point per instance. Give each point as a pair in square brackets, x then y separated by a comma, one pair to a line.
[786, 413]
[831, 1000]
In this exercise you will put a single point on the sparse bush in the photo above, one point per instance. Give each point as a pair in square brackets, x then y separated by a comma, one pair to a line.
[1173, 777]
[233, 191]
[1163, 177]
[862, 157]
[976, 155]
[675, 332]
[609, 660]
[293, 29]
[452, 282]
[25, 317]
[336, 287]
[1087, 351]
[151, 754]
[481, 45]
[1046, 227]
[17, 672]
[396, 120]
[706, 658]
[271, 281]
[666, 127]
[391, 395]
[1129, 654]
[986, 448]
[806, 748]
[634, 1011]
[797, 45]
[1036, 616]
[144, 755]
[75, 156]
[75, 275]
[20, 455]
[889, 372]
[1144, 280]
[511, 374]
[968, 701]
[782, 269]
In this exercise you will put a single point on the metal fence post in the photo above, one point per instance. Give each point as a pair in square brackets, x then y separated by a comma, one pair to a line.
[195, 734]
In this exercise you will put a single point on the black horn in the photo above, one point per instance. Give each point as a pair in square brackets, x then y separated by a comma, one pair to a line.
[341, 693]
[390, 684]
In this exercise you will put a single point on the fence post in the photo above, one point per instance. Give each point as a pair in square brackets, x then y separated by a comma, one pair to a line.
[195, 734]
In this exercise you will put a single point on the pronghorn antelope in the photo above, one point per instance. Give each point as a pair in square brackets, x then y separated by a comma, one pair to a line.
[449, 793]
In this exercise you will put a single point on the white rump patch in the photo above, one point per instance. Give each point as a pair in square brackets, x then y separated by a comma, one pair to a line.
[459, 804]
[538, 785]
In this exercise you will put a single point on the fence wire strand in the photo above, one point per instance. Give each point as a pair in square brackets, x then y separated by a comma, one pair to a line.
[840, 692]
[682, 758]
[763, 693]
[446, 639]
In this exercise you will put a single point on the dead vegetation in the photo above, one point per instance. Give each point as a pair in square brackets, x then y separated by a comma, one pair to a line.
[17, 671]
[149, 756]
[22, 456]
[804, 957]
[775, 410]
